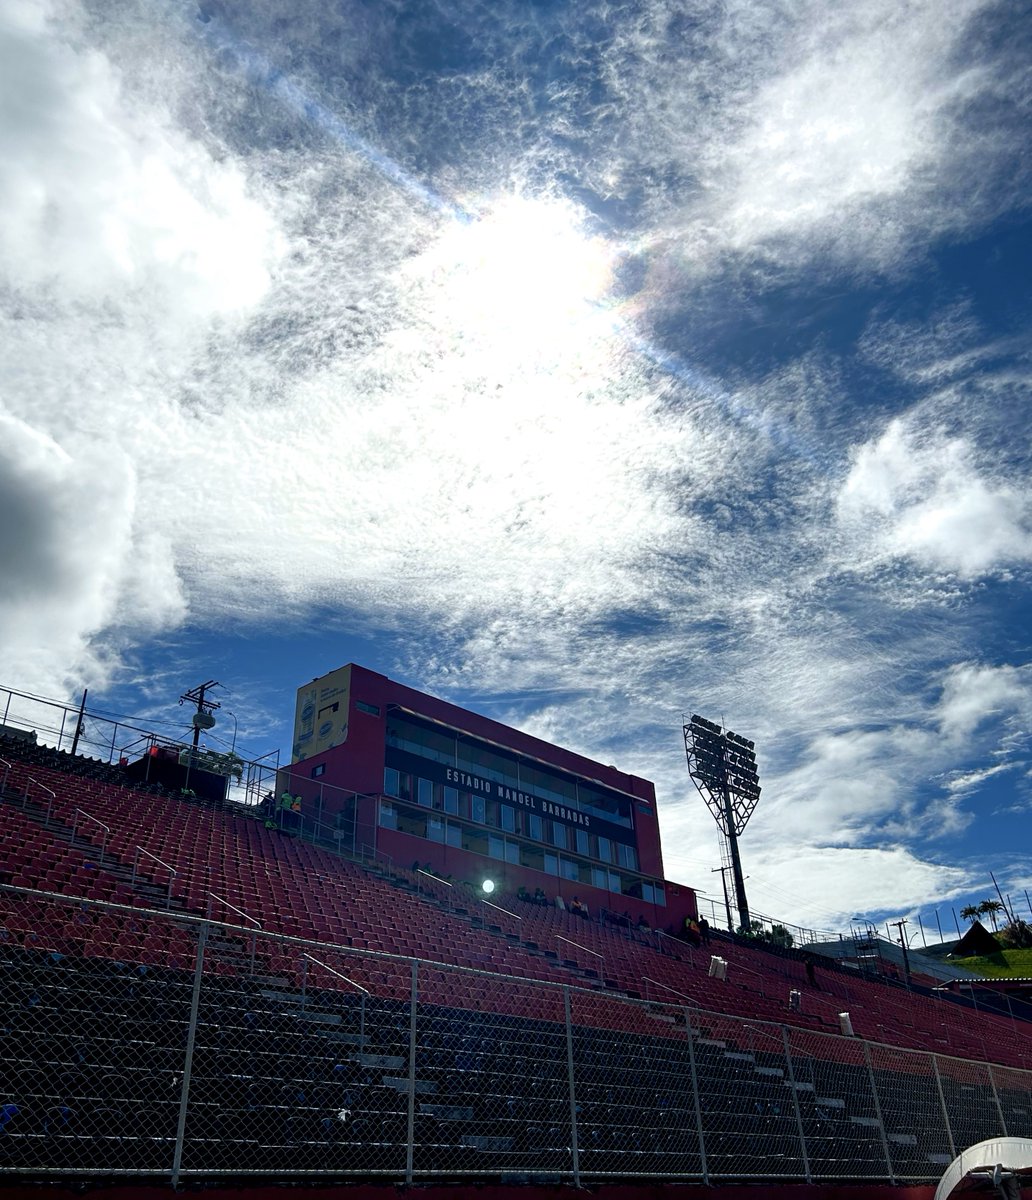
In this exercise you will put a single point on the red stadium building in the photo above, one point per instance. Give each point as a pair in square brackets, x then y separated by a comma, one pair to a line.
[422, 780]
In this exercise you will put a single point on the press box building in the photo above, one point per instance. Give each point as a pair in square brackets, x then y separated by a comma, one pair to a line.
[421, 780]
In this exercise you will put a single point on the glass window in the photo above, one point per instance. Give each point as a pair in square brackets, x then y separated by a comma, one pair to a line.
[605, 852]
[569, 869]
[478, 808]
[318, 770]
[512, 851]
[390, 781]
[552, 863]
[453, 833]
[559, 835]
[628, 858]
[508, 815]
[660, 894]
[614, 882]
[388, 815]
[598, 878]
[435, 830]
[451, 800]
[404, 786]
[582, 841]
[371, 709]
[535, 827]
[425, 793]
[487, 763]
[495, 846]
[531, 856]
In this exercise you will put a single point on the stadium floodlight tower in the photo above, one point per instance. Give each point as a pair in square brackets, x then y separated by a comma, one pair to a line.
[723, 768]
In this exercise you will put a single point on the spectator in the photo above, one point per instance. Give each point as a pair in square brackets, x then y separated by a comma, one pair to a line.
[540, 897]
[704, 930]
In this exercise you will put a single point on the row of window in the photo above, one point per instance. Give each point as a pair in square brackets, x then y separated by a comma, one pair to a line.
[435, 827]
[487, 762]
[485, 811]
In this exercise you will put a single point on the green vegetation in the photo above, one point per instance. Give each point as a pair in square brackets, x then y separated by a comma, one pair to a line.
[1005, 964]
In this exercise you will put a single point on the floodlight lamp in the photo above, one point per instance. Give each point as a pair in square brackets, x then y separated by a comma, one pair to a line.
[487, 887]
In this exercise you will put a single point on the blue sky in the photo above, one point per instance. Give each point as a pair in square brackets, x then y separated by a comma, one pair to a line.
[585, 364]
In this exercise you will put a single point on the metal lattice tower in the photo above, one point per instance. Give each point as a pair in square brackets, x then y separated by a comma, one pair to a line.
[723, 768]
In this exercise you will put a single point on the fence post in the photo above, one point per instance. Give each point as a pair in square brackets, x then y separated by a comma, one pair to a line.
[695, 1096]
[191, 1037]
[410, 1149]
[572, 1086]
[878, 1114]
[795, 1103]
[945, 1110]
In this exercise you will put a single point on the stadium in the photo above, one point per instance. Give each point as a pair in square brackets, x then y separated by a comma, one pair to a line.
[433, 950]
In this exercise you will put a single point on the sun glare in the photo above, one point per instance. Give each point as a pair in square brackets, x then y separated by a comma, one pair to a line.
[523, 273]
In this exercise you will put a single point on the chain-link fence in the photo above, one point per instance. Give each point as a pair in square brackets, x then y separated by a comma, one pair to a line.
[145, 1042]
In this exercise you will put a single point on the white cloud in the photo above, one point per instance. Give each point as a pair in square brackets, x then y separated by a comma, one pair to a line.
[925, 497]
[102, 196]
[973, 694]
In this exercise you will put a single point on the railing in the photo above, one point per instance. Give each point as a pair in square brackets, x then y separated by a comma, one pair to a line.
[81, 812]
[240, 913]
[374, 1067]
[578, 946]
[7, 770]
[171, 871]
[29, 781]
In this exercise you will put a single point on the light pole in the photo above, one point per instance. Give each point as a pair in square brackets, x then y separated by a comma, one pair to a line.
[232, 748]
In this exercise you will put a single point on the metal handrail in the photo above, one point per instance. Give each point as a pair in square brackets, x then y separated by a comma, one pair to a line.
[600, 957]
[239, 911]
[319, 963]
[172, 871]
[50, 803]
[667, 988]
[498, 908]
[7, 770]
[81, 812]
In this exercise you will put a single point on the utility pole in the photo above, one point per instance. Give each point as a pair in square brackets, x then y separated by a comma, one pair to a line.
[202, 718]
[78, 722]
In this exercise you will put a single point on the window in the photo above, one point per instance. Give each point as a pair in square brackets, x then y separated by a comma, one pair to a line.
[478, 809]
[512, 851]
[318, 770]
[582, 841]
[454, 834]
[508, 815]
[388, 815]
[435, 829]
[598, 878]
[451, 801]
[425, 793]
[605, 852]
[390, 781]
[535, 827]
[559, 837]
[372, 709]
[495, 846]
[552, 863]
[628, 858]
[569, 869]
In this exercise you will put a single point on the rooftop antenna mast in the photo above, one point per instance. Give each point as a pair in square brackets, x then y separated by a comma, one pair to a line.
[722, 766]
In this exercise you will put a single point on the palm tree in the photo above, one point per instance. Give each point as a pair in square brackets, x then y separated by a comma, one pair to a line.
[969, 912]
[990, 908]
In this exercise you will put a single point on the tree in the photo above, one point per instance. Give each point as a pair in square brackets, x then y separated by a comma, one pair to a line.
[969, 912]
[990, 908]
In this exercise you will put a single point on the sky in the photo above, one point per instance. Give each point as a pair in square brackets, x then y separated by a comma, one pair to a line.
[586, 364]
